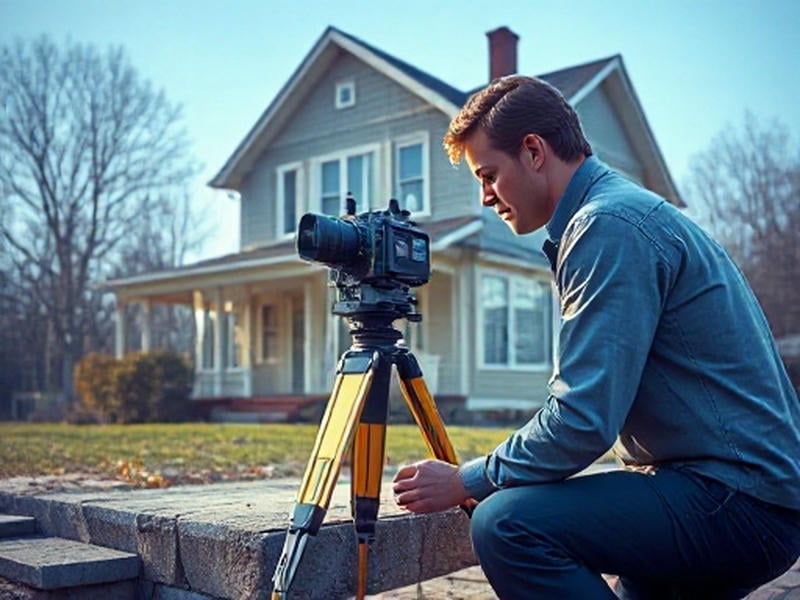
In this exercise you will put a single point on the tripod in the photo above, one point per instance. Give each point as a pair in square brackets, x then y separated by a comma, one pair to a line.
[355, 419]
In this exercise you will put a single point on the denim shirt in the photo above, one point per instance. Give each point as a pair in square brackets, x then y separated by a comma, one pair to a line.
[664, 354]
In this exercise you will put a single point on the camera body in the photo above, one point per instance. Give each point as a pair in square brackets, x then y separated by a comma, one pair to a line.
[373, 257]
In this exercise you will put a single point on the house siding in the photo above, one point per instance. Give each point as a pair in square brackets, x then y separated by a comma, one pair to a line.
[605, 133]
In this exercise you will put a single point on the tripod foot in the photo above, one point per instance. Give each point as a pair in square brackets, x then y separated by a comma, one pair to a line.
[293, 549]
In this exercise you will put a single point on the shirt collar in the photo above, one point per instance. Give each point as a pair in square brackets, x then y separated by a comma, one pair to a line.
[591, 170]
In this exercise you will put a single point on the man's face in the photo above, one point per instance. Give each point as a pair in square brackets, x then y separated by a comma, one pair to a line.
[514, 186]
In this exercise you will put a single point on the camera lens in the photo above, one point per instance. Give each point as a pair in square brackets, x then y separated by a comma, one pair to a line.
[327, 239]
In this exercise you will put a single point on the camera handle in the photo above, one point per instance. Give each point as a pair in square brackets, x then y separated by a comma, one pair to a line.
[355, 419]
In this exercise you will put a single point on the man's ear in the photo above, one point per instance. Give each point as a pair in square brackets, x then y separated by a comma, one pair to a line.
[533, 146]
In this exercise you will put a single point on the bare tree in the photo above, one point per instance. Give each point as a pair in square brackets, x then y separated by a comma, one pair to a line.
[87, 150]
[747, 186]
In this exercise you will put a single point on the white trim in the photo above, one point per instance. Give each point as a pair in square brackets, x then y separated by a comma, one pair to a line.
[512, 364]
[421, 138]
[478, 403]
[349, 84]
[510, 261]
[210, 270]
[457, 235]
[280, 201]
[595, 81]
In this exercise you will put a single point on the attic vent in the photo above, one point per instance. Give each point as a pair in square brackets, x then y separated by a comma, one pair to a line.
[345, 94]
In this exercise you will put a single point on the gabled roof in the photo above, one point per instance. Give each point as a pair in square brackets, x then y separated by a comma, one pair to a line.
[574, 82]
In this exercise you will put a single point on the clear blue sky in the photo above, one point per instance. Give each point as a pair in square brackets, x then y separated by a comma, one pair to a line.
[696, 65]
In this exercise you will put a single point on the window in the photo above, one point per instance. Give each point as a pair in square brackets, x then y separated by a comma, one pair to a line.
[289, 195]
[411, 174]
[234, 341]
[269, 333]
[516, 321]
[345, 94]
[348, 172]
[208, 323]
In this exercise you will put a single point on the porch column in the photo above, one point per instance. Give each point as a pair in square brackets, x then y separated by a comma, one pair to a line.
[199, 322]
[219, 312]
[119, 330]
[247, 342]
[308, 306]
[147, 325]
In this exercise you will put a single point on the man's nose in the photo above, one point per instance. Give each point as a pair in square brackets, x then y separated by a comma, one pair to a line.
[488, 197]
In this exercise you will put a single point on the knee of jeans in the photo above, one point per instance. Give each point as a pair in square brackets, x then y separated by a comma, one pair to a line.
[494, 525]
[483, 526]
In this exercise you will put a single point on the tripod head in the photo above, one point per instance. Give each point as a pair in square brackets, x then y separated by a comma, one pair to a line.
[375, 258]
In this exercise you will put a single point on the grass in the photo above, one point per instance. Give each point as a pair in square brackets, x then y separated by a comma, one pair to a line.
[162, 454]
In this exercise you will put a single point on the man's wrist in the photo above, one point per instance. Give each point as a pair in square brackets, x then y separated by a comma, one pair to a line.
[475, 479]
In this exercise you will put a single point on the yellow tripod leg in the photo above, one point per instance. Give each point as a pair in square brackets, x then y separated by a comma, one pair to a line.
[367, 469]
[353, 381]
[423, 409]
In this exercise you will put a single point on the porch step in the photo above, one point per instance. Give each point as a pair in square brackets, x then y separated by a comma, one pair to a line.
[49, 563]
[15, 525]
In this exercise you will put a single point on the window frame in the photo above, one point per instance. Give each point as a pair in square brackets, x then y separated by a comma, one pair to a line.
[315, 197]
[280, 209]
[348, 84]
[421, 138]
[547, 323]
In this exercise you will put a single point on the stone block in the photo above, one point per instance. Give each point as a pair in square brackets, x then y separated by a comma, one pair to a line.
[15, 525]
[49, 563]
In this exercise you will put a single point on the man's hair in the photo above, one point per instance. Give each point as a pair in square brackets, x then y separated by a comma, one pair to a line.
[511, 107]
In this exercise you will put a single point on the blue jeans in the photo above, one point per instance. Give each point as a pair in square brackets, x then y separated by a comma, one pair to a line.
[671, 534]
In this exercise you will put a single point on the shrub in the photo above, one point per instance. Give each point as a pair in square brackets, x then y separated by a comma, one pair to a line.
[95, 382]
[140, 388]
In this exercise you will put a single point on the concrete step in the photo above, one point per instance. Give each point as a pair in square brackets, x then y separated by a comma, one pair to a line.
[15, 525]
[49, 563]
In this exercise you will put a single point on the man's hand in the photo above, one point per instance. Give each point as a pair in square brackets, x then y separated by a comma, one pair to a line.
[429, 486]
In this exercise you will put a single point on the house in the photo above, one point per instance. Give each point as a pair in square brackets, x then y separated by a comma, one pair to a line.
[354, 118]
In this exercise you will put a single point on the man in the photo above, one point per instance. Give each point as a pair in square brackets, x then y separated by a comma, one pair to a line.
[663, 353]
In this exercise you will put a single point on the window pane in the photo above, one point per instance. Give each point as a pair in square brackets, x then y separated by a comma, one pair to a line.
[330, 177]
[289, 200]
[494, 303]
[268, 333]
[411, 196]
[410, 162]
[359, 180]
[209, 322]
[531, 317]
[331, 198]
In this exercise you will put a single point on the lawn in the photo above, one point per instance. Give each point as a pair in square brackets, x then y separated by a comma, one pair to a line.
[164, 454]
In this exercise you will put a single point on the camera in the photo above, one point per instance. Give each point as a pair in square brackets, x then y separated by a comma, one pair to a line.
[374, 258]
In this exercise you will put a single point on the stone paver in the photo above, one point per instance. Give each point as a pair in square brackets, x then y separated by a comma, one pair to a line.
[49, 563]
[14, 525]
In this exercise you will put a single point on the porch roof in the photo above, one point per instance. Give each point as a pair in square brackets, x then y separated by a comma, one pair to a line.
[253, 264]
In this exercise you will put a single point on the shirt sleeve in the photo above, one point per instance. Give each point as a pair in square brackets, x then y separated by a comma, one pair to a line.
[611, 283]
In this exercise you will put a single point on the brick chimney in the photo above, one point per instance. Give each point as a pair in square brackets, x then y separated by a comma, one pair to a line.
[502, 52]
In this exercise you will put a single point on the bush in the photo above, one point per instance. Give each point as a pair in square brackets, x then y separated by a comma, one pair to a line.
[95, 382]
[140, 388]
